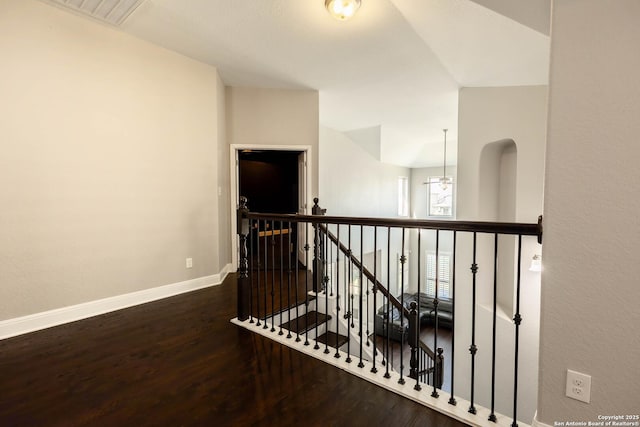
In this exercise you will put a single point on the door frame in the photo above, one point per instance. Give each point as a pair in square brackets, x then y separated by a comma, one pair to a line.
[234, 182]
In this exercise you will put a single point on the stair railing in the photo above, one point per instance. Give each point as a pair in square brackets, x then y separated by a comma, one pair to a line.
[268, 295]
[418, 346]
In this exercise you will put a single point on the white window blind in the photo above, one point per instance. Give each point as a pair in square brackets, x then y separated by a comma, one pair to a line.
[444, 273]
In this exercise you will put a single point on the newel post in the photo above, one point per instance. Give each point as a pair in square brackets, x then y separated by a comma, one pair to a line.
[413, 342]
[244, 285]
[318, 250]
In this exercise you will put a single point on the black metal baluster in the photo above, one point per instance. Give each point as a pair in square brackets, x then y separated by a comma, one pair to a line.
[289, 270]
[417, 362]
[330, 252]
[317, 274]
[387, 374]
[350, 297]
[414, 334]
[434, 393]
[273, 275]
[266, 276]
[361, 286]
[517, 319]
[423, 373]
[473, 349]
[346, 287]
[297, 280]
[243, 288]
[251, 280]
[258, 271]
[367, 332]
[492, 416]
[337, 355]
[452, 399]
[281, 274]
[325, 264]
[306, 283]
[375, 300]
[403, 259]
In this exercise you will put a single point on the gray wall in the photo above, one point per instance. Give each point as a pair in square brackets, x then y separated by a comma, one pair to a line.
[109, 165]
[492, 117]
[275, 117]
[590, 293]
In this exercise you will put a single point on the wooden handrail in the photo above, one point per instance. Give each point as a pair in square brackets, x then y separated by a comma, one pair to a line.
[379, 286]
[513, 228]
[365, 272]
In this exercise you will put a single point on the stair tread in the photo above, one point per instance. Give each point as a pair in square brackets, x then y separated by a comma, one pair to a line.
[331, 337]
[306, 322]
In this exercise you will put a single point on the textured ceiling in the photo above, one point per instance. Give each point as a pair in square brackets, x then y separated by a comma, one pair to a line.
[390, 76]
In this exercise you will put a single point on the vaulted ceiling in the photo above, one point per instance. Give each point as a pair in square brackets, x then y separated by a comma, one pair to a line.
[390, 75]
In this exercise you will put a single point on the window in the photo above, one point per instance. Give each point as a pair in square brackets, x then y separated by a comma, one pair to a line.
[444, 272]
[403, 196]
[440, 196]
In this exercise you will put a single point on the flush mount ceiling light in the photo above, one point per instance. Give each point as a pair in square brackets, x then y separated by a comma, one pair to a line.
[342, 10]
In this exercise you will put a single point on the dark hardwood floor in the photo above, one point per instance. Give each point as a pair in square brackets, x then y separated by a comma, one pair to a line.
[445, 337]
[179, 362]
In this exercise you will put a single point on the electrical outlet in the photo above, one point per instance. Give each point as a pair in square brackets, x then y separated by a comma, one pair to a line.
[189, 262]
[578, 386]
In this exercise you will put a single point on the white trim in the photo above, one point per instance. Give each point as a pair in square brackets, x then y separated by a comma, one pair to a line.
[234, 185]
[46, 319]
[537, 423]
[458, 412]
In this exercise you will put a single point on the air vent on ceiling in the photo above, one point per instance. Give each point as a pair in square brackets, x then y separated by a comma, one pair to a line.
[113, 12]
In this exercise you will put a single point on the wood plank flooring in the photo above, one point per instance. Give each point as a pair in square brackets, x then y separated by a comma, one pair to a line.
[445, 337]
[179, 362]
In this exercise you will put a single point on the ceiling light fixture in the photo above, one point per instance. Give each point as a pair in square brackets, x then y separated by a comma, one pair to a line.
[342, 10]
[445, 181]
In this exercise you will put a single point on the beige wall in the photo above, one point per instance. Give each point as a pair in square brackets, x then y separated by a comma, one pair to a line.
[353, 182]
[257, 116]
[590, 293]
[284, 118]
[224, 185]
[487, 116]
[108, 165]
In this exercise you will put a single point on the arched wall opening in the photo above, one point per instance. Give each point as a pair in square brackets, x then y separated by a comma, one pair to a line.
[497, 183]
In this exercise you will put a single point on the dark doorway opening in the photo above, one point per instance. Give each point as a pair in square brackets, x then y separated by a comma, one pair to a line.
[269, 179]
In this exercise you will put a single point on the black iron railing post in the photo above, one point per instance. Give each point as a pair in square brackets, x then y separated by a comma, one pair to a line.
[403, 261]
[473, 348]
[452, 399]
[244, 285]
[436, 301]
[375, 294]
[439, 370]
[517, 320]
[492, 415]
[414, 331]
[318, 250]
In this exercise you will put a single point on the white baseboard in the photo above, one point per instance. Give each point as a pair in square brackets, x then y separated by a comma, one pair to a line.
[537, 423]
[46, 319]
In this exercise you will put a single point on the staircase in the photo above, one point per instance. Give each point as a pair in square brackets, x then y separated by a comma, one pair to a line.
[346, 307]
[317, 321]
